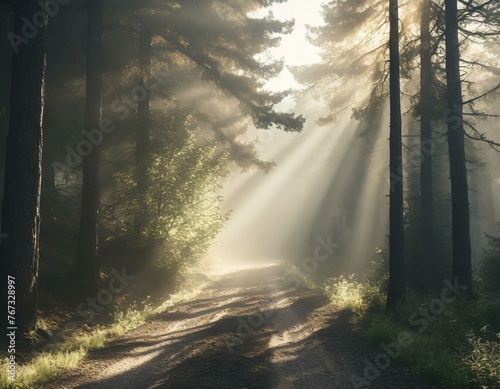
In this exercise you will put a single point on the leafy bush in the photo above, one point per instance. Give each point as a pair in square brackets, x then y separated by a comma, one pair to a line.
[484, 358]
[182, 205]
[349, 293]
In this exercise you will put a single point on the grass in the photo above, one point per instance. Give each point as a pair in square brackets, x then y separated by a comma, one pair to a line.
[69, 353]
[457, 348]
[41, 368]
[449, 351]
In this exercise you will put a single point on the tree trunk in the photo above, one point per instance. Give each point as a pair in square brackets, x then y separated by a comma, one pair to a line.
[19, 250]
[49, 179]
[428, 265]
[397, 279]
[143, 143]
[462, 270]
[86, 267]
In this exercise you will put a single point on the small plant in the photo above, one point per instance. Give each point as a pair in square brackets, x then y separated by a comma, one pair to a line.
[69, 354]
[41, 369]
[484, 358]
[349, 293]
[132, 317]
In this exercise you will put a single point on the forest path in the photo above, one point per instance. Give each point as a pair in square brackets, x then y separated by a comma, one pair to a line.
[252, 328]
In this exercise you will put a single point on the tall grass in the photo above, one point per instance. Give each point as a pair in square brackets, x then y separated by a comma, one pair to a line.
[459, 348]
[69, 353]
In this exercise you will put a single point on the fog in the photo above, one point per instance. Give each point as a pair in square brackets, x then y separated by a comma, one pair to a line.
[250, 193]
[331, 181]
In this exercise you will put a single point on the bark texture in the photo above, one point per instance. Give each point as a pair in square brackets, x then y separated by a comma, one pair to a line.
[462, 269]
[397, 284]
[87, 266]
[19, 250]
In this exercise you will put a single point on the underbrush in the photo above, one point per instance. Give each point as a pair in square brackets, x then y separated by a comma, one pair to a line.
[69, 352]
[454, 343]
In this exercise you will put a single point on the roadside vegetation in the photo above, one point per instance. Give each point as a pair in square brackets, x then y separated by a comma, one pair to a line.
[60, 349]
[455, 341]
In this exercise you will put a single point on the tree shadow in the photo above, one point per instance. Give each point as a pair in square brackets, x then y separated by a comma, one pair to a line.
[231, 352]
[298, 340]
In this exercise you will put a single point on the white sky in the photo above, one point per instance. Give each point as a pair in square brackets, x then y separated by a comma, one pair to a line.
[295, 48]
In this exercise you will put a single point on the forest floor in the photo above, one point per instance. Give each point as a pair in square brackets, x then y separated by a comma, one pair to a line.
[251, 328]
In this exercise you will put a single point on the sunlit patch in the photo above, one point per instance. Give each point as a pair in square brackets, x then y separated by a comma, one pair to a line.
[223, 266]
[322, 175]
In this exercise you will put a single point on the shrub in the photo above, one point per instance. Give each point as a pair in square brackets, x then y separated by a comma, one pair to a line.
[182, 205]
[489, 270]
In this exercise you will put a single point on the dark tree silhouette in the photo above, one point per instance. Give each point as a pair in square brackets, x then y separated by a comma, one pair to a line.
[143, 142]
[397, 285]
[19, 251]
[427, 266]
[86, 267]
[462, 268]
[223, 44]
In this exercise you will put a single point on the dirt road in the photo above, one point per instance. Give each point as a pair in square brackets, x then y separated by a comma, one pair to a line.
[253, 328]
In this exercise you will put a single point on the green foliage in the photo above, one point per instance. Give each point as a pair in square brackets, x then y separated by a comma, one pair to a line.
[182, 202]
[225, 44]
[457, 348]
[484, 359]
[349, 293]
[41, 369]
[132, 317]
[69, 354]
[426, 354]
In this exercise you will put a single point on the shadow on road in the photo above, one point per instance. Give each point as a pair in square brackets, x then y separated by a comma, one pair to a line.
[251, 329]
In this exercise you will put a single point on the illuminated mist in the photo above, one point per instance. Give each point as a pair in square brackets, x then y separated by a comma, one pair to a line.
[330, 182]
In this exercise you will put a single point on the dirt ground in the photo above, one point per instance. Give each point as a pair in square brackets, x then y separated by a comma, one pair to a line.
[253, 328]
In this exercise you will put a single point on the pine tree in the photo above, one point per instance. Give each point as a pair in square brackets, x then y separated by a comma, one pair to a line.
[19, 248]
[397, 278]
[462, 261]
[86, 266]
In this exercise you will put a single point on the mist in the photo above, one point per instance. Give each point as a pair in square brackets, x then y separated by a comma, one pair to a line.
[250, 194]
